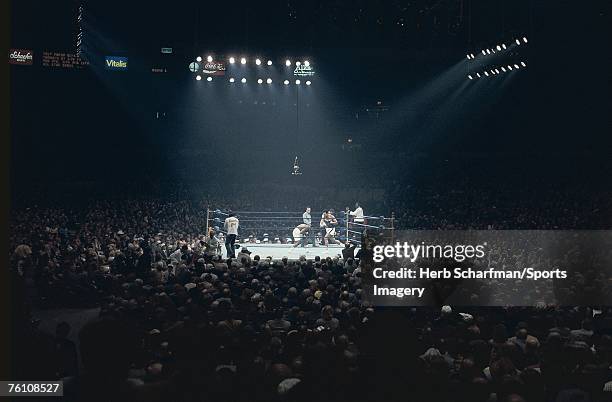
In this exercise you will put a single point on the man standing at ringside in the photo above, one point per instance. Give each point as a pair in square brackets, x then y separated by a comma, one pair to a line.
[231, 226]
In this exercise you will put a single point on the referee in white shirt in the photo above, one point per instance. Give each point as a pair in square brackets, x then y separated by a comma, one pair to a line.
[231, 226]
[357, 214]
[307, 219]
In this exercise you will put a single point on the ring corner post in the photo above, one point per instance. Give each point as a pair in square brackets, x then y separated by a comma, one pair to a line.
[347, 217]
[207, 219]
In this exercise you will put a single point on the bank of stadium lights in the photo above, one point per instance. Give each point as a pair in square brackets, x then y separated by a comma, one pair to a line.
[243, 60]
[258, 62]
[243, 80]
[269, 62]
[269, 81]
[260, 81]
[288, 63]
[497, 48]
[308, 82]
[232, 79]
[298, 82]
[498, 70]
[232, 60]
[286, 82]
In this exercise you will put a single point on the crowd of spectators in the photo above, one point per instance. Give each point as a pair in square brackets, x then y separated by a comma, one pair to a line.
[178, 323]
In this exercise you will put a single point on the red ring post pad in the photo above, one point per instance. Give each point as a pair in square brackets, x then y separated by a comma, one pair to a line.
[488, 268]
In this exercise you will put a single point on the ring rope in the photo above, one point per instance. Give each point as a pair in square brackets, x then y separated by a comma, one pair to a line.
[341, 213]
[366, 226]
[345, 227]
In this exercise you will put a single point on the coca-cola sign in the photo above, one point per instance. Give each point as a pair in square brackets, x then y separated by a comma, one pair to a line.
[21, 56]
[214, 68]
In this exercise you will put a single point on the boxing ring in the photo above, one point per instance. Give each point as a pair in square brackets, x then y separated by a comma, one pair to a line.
[269, 233]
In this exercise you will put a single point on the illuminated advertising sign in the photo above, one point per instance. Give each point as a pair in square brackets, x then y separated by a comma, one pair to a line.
[21, 57]
[116, 63]
[214, 68]
[303, 71]
[63, 60]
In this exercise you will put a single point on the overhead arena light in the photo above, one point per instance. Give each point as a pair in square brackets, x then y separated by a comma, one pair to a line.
[269, 81]
[242, 60]
[298, 82]
[306, 63]
[509, 67]
[209, 59]
[198, 77]
[488, 51]
[516, 66]
[232, 60]
[497, 71]
[209, 79]
[288, 62]
[297, 63]
[269, 62]
[258, 62]
[199, 58]
[468, 56]
[260, 81]
[518, 42]
[484, 53]
[232, 79]
[504, 46]
[499, 47]
[308, 82]
[523, 64]
[486, 73]
[243, 80]
[503, 69]
[478, 75]
[470, 76]
[286, 82]
[525, 39]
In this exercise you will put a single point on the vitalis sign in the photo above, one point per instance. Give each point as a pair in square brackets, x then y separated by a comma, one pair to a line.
[116, 63]
[21, 56]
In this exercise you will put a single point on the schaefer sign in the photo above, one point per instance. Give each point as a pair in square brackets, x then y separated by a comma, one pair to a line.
[116, 63]
[21, 56]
